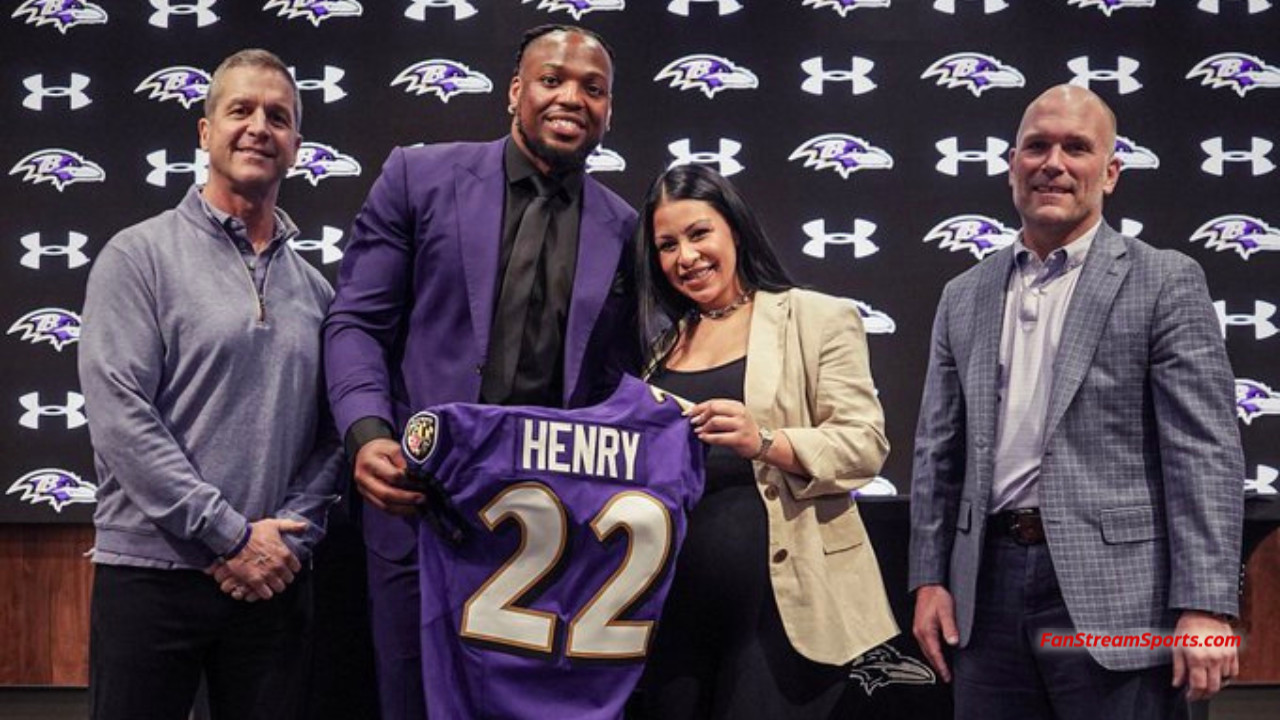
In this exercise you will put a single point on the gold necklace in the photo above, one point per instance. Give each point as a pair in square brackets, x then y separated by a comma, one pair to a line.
[727, 310]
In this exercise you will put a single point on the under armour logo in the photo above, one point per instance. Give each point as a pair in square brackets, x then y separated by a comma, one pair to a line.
[988, 6]
[162, 168]
[38, 92]
[417, 9]
[202, 9]
[1213, 6]
[1122, 75]
[856, 75]
[723, 159]
[1130, 227]
[328, 84]
[1256, 156]
[993, 156]
[602, 159]
[860, 238]
[71, 413]
[1260, 320]
[724, 7]
[1264, 482]
[327, 245]
[73, 251]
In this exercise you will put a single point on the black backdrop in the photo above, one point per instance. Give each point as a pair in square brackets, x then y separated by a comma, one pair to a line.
[937, 86]
[903, 77]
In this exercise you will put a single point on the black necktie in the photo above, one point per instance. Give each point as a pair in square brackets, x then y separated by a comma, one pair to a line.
[513, 298]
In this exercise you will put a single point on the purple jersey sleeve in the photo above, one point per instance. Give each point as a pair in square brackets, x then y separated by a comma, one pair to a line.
[571, 521]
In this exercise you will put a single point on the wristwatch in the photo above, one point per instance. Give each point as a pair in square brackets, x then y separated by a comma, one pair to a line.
[766, 442]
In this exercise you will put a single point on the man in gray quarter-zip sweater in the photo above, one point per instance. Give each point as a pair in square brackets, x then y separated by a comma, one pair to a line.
[214, 448]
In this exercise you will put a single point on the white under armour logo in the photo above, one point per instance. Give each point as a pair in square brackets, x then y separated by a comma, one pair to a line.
[73, 251]
[988, 6]
[327, 245]
[38, 91]
[993, 156]
[1122, 75]
[202, 9]
[602, 159]
[1260, 320]
[860, 238]
[1264, 480]
[724, 7]
[162, 168]
[71, 412]
[856, 75]
[1256, 156]
[417, 9]
[723, 159]
[328, 84]
[1213, 6]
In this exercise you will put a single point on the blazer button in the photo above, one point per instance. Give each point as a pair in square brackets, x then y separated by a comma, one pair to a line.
[780, 556]
[771, 493]
[480, 369]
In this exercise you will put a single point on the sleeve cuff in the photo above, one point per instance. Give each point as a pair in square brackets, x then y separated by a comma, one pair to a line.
[364, 430]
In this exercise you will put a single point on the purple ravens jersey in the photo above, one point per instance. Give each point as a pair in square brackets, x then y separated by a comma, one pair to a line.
[542, 597]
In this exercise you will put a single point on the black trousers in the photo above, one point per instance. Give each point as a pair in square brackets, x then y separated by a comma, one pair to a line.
[152, 633]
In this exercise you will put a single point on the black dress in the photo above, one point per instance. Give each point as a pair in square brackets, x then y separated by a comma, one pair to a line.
[720, 649]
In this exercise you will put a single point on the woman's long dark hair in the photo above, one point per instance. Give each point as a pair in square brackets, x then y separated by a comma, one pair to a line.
[661, 305]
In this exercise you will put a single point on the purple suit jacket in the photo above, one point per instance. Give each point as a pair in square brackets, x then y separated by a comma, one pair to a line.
[409, 327]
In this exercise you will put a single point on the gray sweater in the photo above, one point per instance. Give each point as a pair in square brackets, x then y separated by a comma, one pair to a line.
[206, 405]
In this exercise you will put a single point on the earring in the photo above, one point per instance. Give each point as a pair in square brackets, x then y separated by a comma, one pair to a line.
[511, 109]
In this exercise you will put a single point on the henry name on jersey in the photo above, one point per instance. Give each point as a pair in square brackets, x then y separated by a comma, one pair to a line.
[578, 448]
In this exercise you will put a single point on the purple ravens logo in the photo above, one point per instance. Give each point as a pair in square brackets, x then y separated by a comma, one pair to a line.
[1243, 233]
[1109, 6]
[603, 159]
[316, 11]
[1255, 399]
[62, 14]
[55, 326]
[707, 73]
[978, 234]
[874, 321]
[1237, 71]
[317, 161]
[885, 665]
[1133, 156]
[58, 167]
[975, 72]
[578, 8]
[844, 6]
[187, 85]
[58, 488]
[420, 436]
[845, 154]
[442, 78]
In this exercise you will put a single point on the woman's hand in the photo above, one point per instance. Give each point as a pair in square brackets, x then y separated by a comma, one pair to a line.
[727, 423]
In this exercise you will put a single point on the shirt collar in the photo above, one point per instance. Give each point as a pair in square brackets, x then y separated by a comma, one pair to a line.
[283, 227]
[520, 168]
[1075, 251]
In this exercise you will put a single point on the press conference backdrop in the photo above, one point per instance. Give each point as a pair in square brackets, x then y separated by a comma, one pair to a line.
[871, 135]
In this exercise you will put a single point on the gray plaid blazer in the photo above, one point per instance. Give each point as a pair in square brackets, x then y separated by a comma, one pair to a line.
[1141, 484]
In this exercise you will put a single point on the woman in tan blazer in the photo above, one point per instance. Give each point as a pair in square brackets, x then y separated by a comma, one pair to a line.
[777, 587]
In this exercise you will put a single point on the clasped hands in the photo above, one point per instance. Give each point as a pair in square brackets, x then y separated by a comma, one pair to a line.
[263, 567]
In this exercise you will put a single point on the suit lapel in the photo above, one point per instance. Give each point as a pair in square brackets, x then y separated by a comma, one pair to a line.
[766, 346]
[983, 374]
[599, 248]
[1100, 279]
[479, 195]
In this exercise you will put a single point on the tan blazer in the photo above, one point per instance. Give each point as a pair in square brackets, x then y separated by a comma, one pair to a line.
[808, 375]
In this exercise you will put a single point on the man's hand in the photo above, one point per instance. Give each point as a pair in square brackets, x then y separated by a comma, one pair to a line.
[379, 474]
[935, 616]
[265, 566]
[1204, 669]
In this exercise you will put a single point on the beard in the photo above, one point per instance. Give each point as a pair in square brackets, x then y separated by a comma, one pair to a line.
[560, 161]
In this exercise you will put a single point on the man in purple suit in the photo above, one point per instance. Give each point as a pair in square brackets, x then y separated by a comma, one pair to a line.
[493, 272]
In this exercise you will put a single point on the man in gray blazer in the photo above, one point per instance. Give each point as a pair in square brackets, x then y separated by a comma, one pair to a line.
[1078, 474]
